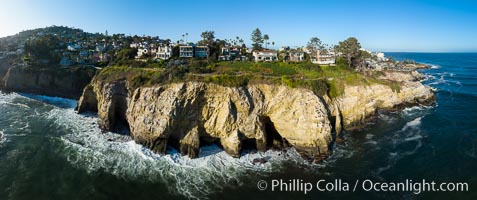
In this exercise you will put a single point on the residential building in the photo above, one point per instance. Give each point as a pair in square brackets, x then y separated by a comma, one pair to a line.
[192, 51]
[264, 55]
[294, 56]
[164, 52]
[186, 51]
[104, 57]
[324, 58]
[74, 47]
[381, 56]
[142, 52]
[201, 51]
[284, 48]
[229, 54]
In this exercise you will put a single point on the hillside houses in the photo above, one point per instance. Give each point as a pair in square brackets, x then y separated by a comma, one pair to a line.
[294, 56]
[164, 52]
[193, 51]
[231, 54]
[324, 58]
[264, 55]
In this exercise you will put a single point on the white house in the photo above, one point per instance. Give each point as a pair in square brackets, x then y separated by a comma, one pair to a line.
[74, 47]
[381, 56]
[324, 58]
[264, 55]
[141, 52]
[164, 52]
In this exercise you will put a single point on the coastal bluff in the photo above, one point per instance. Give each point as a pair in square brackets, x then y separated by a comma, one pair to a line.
[189, 114]
[50, 81]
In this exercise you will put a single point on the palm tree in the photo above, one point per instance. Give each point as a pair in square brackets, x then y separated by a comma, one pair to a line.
[266, 38]
[273, 43]
[182, 37]
[187, 34]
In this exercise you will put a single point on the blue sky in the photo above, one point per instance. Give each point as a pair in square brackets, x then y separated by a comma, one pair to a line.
[426, 25]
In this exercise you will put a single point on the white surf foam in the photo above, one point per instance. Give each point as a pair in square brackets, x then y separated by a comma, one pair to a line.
[435, 66]
[410, 134]
[3, 139]
[411, 124]
[87, 148]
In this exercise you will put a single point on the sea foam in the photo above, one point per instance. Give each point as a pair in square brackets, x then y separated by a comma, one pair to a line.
[89, 149]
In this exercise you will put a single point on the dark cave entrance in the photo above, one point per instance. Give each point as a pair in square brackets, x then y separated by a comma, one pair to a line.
[273, 138]
[249, 144]
[120, 123]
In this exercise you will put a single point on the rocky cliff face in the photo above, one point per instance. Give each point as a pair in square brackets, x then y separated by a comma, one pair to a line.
[188, 115]
[61, 82]
[359, 102]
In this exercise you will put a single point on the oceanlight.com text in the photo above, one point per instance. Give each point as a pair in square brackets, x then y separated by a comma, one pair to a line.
[338, 185]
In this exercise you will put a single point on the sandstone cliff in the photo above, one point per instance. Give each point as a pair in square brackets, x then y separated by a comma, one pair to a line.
[359, 102]
[61, 82]
[187, 115]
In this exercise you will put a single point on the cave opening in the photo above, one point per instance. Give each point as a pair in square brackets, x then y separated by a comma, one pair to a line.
[249, 144]
[273, 138]
[120, 124]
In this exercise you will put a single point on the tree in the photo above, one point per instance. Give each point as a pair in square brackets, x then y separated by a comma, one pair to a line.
[349, 49]
[208, 39]
[43, 48]
[273, 44]
[257, 39]
[314, 45]
[266, 38]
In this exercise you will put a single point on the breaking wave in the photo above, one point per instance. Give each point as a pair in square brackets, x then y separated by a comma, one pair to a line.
[87, 148]
[409, 135]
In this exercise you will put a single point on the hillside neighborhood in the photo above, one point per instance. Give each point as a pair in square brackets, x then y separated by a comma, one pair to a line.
[63, 46]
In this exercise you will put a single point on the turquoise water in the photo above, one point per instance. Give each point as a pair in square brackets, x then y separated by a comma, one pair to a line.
[47, 151]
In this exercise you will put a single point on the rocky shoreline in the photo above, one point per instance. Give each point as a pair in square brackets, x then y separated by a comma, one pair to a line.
[54, 81]
[188, 115]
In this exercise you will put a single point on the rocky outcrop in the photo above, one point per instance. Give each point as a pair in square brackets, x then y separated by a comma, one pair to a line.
[359, 102]
[188, 115]
[61, 82]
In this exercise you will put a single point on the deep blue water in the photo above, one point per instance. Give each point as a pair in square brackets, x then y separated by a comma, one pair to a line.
[47, 151]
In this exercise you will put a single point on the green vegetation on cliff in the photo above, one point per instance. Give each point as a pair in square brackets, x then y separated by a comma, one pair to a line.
[322, 80]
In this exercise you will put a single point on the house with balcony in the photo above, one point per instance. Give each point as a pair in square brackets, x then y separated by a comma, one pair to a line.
[324, 58]
[164, 52]
[201, 51]
[192, 51]
[294, 56]
[186, 51]
[231, 54]
[264, 55]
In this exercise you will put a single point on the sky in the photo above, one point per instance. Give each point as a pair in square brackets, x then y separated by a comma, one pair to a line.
[386, 25]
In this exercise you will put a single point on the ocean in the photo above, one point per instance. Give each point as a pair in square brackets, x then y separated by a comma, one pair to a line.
[47, 151]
